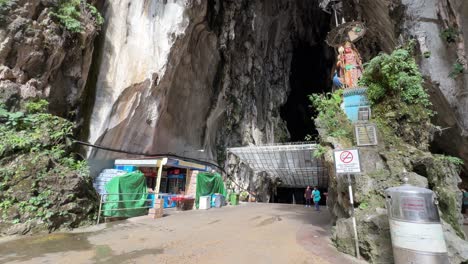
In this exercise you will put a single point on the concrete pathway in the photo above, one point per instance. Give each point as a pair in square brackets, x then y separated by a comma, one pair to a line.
[249, 233]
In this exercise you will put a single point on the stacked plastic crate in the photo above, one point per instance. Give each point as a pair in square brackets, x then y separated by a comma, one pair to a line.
[104, 177]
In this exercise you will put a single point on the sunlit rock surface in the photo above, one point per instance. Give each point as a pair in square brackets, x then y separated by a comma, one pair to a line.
[213, 75]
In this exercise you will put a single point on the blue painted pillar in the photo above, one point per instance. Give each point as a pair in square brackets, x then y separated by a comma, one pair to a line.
[353, 99]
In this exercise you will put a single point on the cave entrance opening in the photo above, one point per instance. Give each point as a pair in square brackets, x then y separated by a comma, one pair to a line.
[311, 70]
[288, 195]
[293, 164]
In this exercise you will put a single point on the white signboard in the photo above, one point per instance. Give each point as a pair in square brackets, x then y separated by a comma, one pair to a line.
[347, 161]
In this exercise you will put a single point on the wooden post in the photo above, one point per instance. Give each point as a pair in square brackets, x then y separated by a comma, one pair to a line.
[187, 180]
[160, 165]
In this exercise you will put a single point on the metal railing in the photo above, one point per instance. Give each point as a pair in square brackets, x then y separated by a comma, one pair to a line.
[103, 200]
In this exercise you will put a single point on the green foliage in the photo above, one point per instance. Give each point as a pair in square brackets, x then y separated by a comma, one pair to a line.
[39, 106]
[5, 7]
[319, 152]
[363, 205]
[457, 69]
[427, 54]
[33, 149]
[243, 196]
[37, 132]
[6, 204]
[96, 14]
[396, 75]
[69, 14]
[399, 102]
[450, 34]
[331, 116]
[457, 162]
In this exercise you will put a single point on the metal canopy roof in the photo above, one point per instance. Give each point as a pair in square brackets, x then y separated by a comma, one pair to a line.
[293, 163]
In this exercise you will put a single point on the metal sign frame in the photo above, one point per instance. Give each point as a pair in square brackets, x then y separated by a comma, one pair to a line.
[361, 111]
[350, 191]
[365, 126]
[347, 172]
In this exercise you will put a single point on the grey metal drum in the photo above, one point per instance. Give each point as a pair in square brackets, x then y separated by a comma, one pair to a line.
[415, 228]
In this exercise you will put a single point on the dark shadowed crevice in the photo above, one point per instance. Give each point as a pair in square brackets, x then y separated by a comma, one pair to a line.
[310, 74]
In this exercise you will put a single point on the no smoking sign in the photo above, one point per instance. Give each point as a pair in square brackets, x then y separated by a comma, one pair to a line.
[347, 161]
[346, 157]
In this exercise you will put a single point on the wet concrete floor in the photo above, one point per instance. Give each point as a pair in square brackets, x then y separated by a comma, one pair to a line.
[253, 233]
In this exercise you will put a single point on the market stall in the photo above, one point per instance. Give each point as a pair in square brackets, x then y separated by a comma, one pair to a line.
[169, 178]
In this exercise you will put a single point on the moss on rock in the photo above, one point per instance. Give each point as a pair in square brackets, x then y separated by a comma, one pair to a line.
[403, 120]
[42, 184]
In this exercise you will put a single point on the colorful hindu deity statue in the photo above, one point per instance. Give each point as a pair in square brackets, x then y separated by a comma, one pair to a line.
[349, 65]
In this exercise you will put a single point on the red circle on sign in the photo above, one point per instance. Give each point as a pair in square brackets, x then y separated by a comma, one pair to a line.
[346, 157]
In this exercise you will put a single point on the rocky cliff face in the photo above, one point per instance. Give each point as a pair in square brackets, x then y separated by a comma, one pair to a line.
[179, 76]
[440, 28]
[182, 75]
[215, 75]
[427, 22]
[41, 59]
[445, 68]
[42, 186]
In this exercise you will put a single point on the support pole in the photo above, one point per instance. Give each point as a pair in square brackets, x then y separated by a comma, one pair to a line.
[356, 241]
[99, 213]
[160, 164]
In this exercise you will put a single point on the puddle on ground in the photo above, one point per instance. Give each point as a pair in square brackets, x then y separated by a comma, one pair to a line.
[269, 221]
[102, 252]
[106, 255]
[27, 248]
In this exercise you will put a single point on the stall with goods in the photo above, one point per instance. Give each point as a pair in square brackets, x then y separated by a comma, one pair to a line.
[126, 196]
[209, 184]
[104, 177]
[168, 178]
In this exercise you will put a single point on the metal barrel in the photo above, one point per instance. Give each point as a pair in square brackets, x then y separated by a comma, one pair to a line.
[415, 227]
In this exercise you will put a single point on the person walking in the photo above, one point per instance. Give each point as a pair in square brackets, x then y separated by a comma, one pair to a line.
[465, 203]
[308, 196]
[316, 196]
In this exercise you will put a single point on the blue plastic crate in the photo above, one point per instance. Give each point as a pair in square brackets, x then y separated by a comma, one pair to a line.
[127, 168]
[168, 203]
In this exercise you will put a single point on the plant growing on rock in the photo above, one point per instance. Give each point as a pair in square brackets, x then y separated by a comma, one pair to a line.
[397, 96]
[450, 34]
[70, 14]
[457, 69]
[5, 7]
[331, 117]
[40, 178]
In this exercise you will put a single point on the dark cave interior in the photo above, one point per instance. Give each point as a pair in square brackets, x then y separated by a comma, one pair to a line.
[285, 195]
[311, 68]
[310, 73]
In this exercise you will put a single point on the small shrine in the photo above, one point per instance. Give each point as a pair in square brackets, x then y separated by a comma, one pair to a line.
[348, 69]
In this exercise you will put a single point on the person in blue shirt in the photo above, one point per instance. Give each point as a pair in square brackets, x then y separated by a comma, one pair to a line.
[465, 202]
[316, 197]
[337, 80]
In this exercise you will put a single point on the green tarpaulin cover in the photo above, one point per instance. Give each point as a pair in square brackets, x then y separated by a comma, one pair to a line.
[209, 183]
[131, 190]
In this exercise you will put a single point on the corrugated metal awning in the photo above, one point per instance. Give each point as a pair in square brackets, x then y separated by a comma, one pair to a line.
[293, 163]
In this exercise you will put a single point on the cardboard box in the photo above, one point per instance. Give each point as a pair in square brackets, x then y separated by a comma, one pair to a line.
[155, 212]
